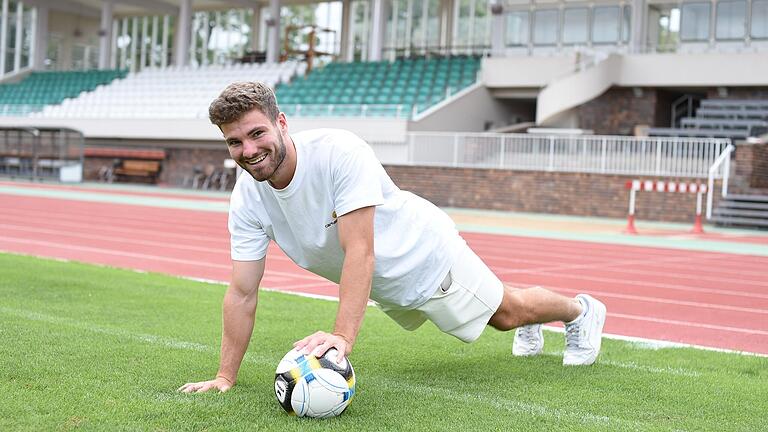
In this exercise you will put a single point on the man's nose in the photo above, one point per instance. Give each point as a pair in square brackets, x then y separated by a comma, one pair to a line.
[249, 148]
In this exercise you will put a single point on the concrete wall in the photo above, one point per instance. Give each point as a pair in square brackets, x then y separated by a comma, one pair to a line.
[641, 70]
[472, 110]
[525, 71]
[203, 130]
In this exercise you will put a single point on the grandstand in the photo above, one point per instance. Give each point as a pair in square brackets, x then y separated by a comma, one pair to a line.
[378, 88]
[429, 83]
[40, 89]
[183, 92]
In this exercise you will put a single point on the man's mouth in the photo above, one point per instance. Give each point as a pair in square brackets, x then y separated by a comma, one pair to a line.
[257, 159]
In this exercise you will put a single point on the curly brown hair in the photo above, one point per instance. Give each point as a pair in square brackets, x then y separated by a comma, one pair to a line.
[240, 98]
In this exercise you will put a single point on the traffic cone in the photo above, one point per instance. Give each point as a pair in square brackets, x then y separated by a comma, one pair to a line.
[698, 228]
[630, 225]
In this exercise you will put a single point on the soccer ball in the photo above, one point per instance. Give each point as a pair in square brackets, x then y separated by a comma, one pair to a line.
[309, 386]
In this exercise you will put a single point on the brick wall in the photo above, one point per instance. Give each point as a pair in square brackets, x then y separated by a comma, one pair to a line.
[541, 192]
[619, 110]
[749, 169]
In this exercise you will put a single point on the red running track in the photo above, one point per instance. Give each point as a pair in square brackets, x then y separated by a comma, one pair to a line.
[704, 298]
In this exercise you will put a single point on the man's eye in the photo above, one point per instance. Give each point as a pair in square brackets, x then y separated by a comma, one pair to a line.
[233, 143]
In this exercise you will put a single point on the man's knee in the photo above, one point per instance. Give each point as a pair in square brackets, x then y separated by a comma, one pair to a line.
[513, 311]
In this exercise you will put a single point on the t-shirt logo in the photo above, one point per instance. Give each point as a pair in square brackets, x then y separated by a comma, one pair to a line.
[333, 222]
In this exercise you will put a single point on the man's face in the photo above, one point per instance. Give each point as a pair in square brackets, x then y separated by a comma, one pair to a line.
[257, 144]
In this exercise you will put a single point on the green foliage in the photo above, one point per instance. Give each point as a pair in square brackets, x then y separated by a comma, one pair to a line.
[94, 348]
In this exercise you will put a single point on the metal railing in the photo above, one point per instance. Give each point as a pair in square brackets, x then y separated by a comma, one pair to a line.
[649, 156]
[401, 111]
[41, 153]
[721, 168]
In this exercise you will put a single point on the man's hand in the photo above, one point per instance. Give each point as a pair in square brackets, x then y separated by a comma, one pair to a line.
[220, 383]
[320, 342]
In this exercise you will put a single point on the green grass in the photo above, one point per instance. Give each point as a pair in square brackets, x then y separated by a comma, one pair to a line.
[93, 348]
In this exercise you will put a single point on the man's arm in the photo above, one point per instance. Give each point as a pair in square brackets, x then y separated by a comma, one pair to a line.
[239, 312]
[356, 240]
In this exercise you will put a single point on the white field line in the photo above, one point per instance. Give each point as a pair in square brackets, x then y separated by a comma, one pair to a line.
[653, 343]
[147, 257]
[395, 386]
[634, 366]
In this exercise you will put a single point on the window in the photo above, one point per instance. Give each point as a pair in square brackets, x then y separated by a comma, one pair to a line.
[760, 19]
[695, 22]
[605, 25]
[517, 28]
[545, 27]
[731, 20]
[575, 25]
[626, 24]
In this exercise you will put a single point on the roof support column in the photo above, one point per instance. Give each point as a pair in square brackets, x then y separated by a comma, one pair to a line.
[639, 23]
[377, 30]
[3, 35]
[105, 34]
[183, 33]
[273, 32]
[346, 8]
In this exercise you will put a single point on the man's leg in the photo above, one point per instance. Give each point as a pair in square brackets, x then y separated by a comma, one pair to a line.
[520, 307]
[526, 309]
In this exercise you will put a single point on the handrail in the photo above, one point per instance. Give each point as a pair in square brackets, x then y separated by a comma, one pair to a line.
[725, 157]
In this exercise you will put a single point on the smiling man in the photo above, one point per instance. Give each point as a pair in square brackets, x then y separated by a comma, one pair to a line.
[325, 199]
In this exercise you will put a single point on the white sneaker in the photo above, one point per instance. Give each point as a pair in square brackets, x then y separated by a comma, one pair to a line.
[529, 340]
[583, 336]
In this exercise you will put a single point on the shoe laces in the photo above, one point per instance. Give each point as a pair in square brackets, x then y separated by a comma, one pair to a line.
[572, 335]
[529, 333]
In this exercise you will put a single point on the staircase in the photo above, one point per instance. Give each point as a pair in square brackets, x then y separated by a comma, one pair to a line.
[722, 118]
[742, 210]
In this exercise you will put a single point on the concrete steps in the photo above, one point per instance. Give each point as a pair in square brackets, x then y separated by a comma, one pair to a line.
[743, 211]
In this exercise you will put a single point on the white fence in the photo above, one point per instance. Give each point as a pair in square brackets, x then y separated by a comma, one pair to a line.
[652, 156]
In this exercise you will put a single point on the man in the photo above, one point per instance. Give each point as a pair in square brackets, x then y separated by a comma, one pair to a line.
[325, 199]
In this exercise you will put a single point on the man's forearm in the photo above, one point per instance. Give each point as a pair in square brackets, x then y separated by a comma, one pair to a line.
[238, 320]
[354, 291]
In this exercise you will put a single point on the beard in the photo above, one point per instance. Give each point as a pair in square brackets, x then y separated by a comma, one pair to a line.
[274, 162]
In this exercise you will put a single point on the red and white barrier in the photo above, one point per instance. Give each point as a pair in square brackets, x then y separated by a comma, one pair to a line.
[635, 186]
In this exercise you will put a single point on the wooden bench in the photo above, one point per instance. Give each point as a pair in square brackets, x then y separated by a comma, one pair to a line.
[147, 170]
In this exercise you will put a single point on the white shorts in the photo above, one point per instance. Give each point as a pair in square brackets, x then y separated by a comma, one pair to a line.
[462, 305]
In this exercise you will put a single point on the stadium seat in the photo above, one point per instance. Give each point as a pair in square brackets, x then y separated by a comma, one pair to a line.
[384, 88]
[39, 89]
[178, 92]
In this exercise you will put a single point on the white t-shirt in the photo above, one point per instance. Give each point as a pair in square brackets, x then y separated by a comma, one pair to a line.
[415, 242]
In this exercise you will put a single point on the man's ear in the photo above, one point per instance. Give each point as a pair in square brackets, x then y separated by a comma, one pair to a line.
[282, 121]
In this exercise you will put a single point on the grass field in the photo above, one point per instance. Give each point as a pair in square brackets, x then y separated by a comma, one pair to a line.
[93, 348]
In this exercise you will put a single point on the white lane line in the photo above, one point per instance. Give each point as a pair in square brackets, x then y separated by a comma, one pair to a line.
[659, 300]
[689, 324]
[607, 267]
[642, 284]
[147, 257]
